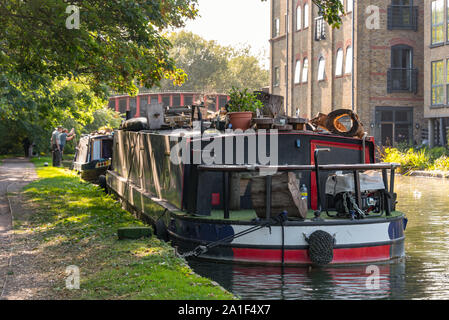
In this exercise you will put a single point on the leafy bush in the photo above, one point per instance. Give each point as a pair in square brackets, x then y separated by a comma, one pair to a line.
[442, 163]
[243, 100]
[423, 159]
[438, 152]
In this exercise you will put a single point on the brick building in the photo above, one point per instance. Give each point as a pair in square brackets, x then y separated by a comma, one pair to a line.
[375, 67]
[436, 69]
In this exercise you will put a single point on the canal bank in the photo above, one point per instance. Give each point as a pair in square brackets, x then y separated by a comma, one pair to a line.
[69, 227]
[429, 173]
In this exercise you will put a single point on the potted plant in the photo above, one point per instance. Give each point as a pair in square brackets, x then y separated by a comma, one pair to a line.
[241, 106]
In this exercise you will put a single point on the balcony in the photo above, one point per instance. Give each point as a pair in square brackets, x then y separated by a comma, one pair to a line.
[402, 17]
[320, 34]
[402, 80]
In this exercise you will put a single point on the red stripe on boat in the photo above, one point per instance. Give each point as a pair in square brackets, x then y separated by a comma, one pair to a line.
[347, 255]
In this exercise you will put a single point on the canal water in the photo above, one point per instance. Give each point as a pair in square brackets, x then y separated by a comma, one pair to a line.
[424, 273]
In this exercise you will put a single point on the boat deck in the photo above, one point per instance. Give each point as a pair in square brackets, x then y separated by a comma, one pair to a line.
[249, 215]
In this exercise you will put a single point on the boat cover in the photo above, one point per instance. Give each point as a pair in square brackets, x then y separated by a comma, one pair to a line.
[369, 181]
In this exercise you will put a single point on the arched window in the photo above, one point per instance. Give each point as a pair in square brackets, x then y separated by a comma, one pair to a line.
[348, 63]
[339, 63]
[305, 69]
[297, 71]
[349, 5]
[306, 15]
[321, 67]
[298, 18]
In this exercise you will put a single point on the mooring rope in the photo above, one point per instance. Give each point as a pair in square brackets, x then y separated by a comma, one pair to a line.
[266, 224]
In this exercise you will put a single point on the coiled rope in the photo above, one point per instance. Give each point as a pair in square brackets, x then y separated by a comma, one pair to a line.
[321, 247]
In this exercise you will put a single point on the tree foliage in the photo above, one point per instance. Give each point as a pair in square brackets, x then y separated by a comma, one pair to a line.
[212, 67]
[50, 74]
[31, 110]
[117, 43]
[331, 10]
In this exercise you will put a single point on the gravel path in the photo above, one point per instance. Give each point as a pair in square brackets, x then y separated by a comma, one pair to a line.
[14, 284]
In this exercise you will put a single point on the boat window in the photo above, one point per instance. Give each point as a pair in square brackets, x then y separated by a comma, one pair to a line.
[96, 150]
[82, 151]
[106, 148]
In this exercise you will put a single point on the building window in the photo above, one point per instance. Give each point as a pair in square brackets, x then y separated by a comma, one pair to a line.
[447, 81]
[306, 15]
[298, 18]
[395, 125]
[349, 5]
[402, 76]
[321, 68]
[176, 100]
[437, 21]
[437, 82]
[305, 70]
[276, 77]
[222, 100]
[319, 29]
[298, 71]
[276, 27]
[348, 62]
[447, 17]
[342, 4]
[188, 100]
[402, 15]
[166, 101]
[339, 63]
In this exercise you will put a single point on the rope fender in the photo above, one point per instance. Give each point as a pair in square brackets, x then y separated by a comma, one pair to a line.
[321, 247]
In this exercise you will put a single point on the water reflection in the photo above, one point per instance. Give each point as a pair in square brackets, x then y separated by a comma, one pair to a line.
[423, 275]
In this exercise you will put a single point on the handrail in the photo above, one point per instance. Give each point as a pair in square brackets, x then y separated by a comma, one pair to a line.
[324, 167]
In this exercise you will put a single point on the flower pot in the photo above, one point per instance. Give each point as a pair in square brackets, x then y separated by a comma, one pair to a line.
[240, 120]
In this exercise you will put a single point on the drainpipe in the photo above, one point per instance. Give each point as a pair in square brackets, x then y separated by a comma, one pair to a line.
[353, 54]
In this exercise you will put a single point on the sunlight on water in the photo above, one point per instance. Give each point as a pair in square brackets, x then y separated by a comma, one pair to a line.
[423, 275]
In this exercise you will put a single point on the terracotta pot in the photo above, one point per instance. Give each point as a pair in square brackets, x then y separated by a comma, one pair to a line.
[240, 120]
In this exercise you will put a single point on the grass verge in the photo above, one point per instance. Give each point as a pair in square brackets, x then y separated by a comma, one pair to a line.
[77, 224]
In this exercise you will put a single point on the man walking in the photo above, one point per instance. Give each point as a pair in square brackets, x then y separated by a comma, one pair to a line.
[56, 146]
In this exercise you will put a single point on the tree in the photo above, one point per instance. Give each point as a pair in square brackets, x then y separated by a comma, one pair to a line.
[50, 72]
[331, 10]
[117, 43]
[32, 110]
[212, 67]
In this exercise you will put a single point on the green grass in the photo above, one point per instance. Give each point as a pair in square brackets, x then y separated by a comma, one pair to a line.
[76, 223]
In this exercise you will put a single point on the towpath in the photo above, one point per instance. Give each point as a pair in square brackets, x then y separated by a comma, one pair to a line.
[15, 281]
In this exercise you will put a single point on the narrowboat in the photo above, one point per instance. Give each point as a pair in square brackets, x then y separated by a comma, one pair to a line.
[294, 197]
[93, 156]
